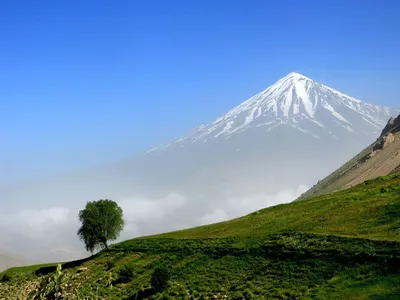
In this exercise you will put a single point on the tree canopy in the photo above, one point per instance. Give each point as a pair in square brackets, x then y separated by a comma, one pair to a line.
[102, 221]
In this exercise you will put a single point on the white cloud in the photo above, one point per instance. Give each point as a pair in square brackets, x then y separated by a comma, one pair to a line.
[35, 223]
[41, 234]
[37, 220]
[234, 207]
[139, 209]
[147, 216]
[217, 215]
[51, 232]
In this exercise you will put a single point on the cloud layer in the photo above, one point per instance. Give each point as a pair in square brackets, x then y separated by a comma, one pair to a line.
[49, 234]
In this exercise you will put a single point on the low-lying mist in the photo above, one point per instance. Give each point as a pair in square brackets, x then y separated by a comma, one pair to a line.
[48, 233]
[164, 191]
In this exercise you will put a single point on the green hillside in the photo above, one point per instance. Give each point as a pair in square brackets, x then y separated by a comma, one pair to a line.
[344, 245]
[370, 210]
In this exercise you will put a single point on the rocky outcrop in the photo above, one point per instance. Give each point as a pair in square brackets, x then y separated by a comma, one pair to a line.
[387, 136]
[384, 141]
[392, 126]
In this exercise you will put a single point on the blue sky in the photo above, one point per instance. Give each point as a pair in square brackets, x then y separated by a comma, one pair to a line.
[86, 83]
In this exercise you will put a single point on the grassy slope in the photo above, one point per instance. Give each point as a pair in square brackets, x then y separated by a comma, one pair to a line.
[359, 211]
[339, 246]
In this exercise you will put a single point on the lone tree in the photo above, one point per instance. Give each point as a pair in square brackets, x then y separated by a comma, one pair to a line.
[102, 221]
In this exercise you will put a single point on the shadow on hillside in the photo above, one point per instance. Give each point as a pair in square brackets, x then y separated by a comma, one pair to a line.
[68, 265]
[142, 294]
[391, 296]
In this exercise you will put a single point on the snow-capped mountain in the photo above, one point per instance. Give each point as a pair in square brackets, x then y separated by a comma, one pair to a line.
[301, 103]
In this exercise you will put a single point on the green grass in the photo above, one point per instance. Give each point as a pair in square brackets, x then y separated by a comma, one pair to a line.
[32, 268]
[344, 245]
[368, 210]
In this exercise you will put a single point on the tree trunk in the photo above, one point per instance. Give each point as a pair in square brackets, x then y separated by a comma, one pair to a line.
[103, 240]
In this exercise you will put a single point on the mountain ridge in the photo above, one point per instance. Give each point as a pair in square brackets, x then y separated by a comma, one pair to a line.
[392, 126]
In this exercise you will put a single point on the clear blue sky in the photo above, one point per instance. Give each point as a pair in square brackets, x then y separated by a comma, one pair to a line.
[84, 82]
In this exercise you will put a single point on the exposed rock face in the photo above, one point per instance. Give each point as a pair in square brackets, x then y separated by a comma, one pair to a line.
[384, 141]
[392, 126]
[388, 139]
[387, 136]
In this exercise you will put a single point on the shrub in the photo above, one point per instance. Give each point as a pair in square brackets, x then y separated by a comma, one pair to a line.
[248, 295]
[384, 190]
[126, 273]
[237, 295]
[51, 286]
[6, 278]
[159, 279]
[110, 264]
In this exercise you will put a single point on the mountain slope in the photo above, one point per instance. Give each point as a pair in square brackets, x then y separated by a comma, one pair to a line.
[338, 246]
[380, 158]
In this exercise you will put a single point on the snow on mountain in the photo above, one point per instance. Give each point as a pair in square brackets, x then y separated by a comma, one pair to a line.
[299, 102]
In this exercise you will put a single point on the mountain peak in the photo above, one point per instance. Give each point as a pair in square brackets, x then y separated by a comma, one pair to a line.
[295, 75]
[298, 102]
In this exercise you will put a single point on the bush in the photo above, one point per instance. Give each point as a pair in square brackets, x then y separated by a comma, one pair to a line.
[159, 279]
[5, 278]
[110, 264]
[237, 295]
[126, 273]
[51, 286]
[248, 295]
